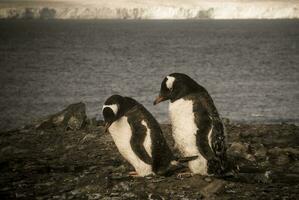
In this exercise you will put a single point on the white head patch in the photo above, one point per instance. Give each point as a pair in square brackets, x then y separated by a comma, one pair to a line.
[114, 108]
[169, 82]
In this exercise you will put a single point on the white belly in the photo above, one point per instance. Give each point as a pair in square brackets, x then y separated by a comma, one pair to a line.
[120, 131]
[184, 133]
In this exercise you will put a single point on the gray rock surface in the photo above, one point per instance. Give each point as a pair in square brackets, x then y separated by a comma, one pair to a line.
[71, 118]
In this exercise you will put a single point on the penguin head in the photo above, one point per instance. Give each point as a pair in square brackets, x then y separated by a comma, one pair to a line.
[115, 107]
[175, 86]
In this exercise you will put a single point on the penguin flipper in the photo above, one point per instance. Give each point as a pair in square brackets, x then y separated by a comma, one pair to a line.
[217, 142]
[204, 126]
[218, 139]
[219, 148]
[210, 136]
[160, 154]
[137, 140]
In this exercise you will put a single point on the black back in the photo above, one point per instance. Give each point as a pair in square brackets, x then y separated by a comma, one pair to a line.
[207, 118]
[161, 153]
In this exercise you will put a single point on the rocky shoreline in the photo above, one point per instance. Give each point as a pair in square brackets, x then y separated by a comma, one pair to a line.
[68, 156]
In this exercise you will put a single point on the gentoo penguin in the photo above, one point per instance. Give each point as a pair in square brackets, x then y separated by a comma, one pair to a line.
[196, 126]
[138, 136]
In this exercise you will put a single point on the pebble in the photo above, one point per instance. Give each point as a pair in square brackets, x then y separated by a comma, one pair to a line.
[208, 179]
[261, 152]
[94, 196]
[114, 194]
[213, 187]
[282, 160]
[121, 187]
[239, 149]
[129, 195]
[88, 138]
[155, 197]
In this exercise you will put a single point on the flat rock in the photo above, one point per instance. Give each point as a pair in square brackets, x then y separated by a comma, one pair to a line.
[242, 150]
[212, 188]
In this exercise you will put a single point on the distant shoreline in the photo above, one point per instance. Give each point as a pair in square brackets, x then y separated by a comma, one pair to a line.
[207, 10]
[147, 20]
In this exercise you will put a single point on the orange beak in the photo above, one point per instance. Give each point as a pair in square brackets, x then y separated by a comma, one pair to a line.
[159, 99]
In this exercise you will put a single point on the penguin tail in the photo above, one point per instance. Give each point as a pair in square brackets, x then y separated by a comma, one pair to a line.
[175, 166]
[231, 169]
[170, 170]
[221, 166]
[186, 159]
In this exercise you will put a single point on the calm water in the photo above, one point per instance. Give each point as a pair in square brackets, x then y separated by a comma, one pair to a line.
[251, 68]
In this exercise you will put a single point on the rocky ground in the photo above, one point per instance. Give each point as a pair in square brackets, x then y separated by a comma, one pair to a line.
[67, 156]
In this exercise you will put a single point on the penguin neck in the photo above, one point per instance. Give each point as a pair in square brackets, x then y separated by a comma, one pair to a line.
[196, 88]
[132, 109]
[126, 111]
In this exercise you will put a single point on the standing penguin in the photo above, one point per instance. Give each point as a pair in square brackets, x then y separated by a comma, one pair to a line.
[196, 126]
[138, 136]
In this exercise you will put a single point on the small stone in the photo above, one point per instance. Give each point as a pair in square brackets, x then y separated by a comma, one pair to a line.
[129, 195]
[116, 198]
[69, 147]
[121, 187]
[19, 195]
[282, 160]
[267, 174]
[94, 196]
[295, 167]
[240, 150]
[114, 194]
[121, 169]
[13, 150]
[88, 138]
[250, 157]
[275, 151]
[213, 188]
[75, 192]
[208, 179]
[291, 150]
[155, 197]
[157, 179]
[261, 152]
[7, 150]
[92, 168]
[5, 189]
[152, 186]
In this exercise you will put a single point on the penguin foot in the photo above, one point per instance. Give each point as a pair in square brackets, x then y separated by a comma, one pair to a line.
[133, 174]
[184, 175]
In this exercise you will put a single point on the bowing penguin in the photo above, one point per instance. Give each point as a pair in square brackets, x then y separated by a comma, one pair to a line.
[138, 137]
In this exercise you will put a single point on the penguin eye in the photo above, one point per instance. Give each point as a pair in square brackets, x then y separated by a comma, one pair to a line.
[113, 107]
